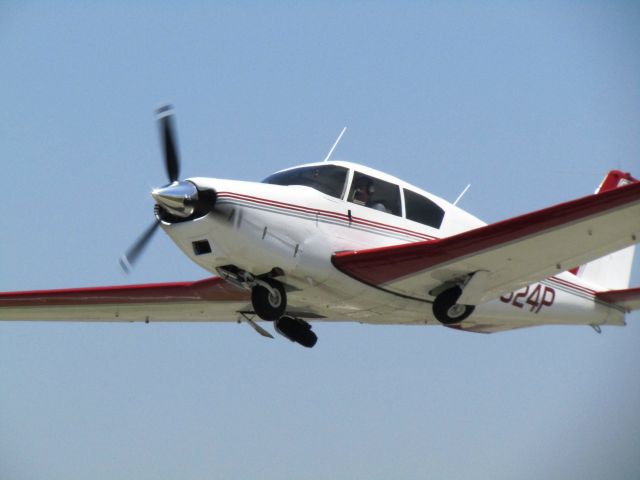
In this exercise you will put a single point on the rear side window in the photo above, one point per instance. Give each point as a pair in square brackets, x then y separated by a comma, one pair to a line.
[422, 210]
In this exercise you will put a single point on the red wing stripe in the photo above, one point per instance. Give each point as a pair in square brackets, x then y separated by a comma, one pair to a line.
[209, 290]
[381, 265]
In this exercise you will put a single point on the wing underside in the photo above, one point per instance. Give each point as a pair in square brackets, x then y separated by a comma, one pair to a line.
[507, 255]
[211, 299]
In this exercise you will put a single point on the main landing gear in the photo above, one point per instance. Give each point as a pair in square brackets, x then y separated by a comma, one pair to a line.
[447, 311]
[269, 300]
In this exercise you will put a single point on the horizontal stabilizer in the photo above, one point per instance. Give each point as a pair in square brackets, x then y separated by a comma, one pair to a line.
[629, 298]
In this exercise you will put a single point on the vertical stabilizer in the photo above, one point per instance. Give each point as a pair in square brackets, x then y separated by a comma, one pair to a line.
[613, 271]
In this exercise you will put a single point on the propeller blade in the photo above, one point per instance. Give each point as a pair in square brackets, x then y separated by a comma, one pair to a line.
[131, 256]
[171, 159]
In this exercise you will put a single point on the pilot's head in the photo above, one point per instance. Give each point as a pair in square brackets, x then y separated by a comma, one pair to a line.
[363, 189]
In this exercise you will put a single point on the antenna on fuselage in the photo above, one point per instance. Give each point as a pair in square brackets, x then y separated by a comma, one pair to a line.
[335, 145]
[462, 194]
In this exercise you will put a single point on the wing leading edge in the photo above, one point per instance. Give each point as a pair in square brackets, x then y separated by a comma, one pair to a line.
[212, 299]
[511, 254]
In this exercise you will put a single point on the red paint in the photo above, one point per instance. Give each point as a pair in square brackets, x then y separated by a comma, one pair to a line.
[574, 286]
[325, 213]
[208, 290]
[534, 299]
[547, 300]
[619, 296]
[538, 298]
[381, 265]
[615, 179]
[520, 295]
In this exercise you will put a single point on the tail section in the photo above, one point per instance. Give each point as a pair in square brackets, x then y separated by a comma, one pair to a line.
[629, 298]
[615, 179]
[613, 271]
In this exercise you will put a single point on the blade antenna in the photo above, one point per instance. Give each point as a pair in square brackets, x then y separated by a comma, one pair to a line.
[326, 159]
[462, 194]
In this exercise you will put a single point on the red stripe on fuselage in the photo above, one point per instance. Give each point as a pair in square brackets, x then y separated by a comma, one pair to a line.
[382, 265]
[575, 286]
[326, 213]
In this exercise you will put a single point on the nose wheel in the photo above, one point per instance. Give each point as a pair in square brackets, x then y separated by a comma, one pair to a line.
[269, 299]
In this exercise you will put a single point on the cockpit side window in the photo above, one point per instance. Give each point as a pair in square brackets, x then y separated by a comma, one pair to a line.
[375, 193]
[422, 210]
[328, 179]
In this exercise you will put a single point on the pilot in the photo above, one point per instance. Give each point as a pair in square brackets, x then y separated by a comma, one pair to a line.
[364, 189]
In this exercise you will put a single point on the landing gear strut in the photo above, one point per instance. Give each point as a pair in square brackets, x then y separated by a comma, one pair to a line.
[269, 299]
[296, 330]
[447, 311]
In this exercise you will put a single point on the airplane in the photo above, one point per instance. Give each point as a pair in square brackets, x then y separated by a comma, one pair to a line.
[338, 241]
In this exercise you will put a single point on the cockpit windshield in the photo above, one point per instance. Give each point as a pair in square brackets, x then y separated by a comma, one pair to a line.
[328, 179]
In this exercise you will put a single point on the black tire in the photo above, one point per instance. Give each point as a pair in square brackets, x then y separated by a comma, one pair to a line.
[296, 330]
[447, 311]
[268, 306]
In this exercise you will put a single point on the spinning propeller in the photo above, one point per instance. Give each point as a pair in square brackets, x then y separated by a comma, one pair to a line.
[177, 200]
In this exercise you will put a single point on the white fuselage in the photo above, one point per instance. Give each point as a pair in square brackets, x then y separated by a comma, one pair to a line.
[259, 226]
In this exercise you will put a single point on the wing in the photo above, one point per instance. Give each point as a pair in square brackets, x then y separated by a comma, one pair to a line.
[507, 255]
[629, 298]
[212, 299]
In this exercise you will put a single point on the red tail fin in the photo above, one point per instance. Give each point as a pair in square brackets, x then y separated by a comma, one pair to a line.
[615, 179]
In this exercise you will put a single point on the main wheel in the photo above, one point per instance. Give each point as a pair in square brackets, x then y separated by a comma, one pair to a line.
[268, 305]
[447, 311]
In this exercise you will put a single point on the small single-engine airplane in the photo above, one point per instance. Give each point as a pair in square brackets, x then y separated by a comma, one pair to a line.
[338, 241]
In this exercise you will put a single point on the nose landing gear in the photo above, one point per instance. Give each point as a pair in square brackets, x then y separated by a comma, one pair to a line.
[269, 299]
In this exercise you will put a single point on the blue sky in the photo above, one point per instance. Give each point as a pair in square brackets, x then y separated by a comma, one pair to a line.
[532, 103]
